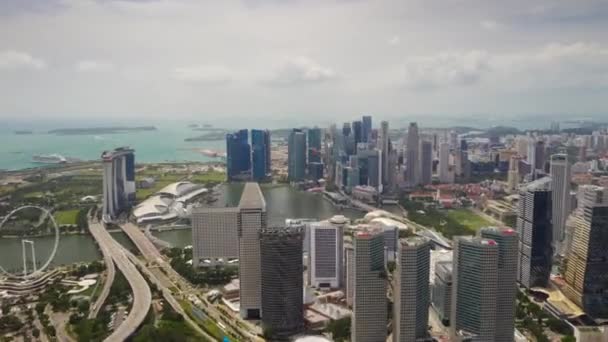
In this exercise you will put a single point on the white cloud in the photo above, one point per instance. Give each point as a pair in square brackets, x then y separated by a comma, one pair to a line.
[94, 66]
[446, 69]
[11, 59]
[490, 25]
[301, 70]
[210, 74]
[394, 40]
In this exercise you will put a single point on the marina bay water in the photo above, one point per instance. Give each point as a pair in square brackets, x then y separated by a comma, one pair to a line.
[281, 202]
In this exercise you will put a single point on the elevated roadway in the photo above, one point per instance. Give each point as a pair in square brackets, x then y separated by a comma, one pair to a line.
[107, 285]
[142, 297]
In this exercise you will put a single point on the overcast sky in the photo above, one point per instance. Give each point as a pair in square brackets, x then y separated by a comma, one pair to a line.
[92, 59]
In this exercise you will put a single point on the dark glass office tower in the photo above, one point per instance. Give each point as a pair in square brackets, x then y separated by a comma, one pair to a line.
[260, 154]
[314, 145]
[282, 281]
[535, 232]
[296, 156]
[586, 272]
[366, 128]
[238, 155]
[357, 132]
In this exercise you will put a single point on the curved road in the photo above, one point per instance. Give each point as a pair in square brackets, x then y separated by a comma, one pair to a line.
[107, 257]
[142, 297]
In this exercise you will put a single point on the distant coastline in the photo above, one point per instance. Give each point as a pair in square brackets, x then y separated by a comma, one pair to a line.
[100, 130]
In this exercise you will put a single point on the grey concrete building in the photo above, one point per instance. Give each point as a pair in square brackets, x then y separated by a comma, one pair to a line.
[474, 288]
[560, 174]
[441, 295]
[411, 291]
[214, 235]
[282, 281]
[252, 219]
[507, 280]
[349, 272]
[369, 317]
[413, 170]
[426, 162]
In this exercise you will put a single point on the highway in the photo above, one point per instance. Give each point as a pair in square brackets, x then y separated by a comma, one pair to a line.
[154, 257]
[142, 297]
[169, 298]
[107, 285]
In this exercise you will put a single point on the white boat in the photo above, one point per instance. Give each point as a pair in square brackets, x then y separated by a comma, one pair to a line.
[49, 159]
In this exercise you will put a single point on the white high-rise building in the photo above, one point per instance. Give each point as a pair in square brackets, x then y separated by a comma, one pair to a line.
[326, 248]
[412, 291]
[252, 219]
[560, 175]
[426, 162]
[118, 182]
[349, 271]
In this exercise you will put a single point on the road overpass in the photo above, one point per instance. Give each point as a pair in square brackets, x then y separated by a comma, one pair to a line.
[170, 276]
[142, 297]
[107, 285]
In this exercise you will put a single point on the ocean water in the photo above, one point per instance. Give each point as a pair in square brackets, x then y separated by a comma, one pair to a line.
[165, 144]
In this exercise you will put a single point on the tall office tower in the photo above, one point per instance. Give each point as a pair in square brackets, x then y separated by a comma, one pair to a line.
[444, 163]
[346, 129]
[296, 156]
[326, 248]
[411, 292]
[374, 168]
[369, 316]
[426, 162]
[435, 142]
[314, 145]
[349, 273]
[535, 233]
[453, 139]
[252, 219]
[464, 146]
[268, 149]
[214, 235]
[118, 181]
[358, 131]
[442, 291]
[282, 281]
[238, 155]
[475, 288]
[413, 156]
[540, 156]
[260, 155]
[507, 280]
[384, 146]
[521, 146]
[513, 175]
[367, 128]
[560, 173]
[586, 272]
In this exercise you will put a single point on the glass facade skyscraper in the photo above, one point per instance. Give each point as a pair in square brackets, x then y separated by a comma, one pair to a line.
[314, 145]
[260, 155]
[366, 128]
[358, 132]
[238, 155]
[296, 156]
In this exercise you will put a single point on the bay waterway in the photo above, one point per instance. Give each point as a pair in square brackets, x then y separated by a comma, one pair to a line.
[282, 202]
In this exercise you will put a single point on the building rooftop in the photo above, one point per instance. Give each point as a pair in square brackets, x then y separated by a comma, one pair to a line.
[414, 241]
[120, 151]
[543, 184]
[504, 231]
[252, 197]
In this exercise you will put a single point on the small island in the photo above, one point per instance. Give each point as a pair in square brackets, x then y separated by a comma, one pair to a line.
[23, 132]
[100, 130]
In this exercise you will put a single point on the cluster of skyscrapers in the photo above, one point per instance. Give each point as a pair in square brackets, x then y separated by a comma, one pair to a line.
[248, 161]
[304, 155]
[118, 182]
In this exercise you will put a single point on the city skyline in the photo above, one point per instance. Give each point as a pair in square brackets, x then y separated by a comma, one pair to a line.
[470, 59]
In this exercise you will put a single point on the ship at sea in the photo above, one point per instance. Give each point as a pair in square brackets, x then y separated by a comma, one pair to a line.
[49, 159]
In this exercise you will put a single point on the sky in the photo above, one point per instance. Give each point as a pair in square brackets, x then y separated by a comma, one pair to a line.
[311, 59]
